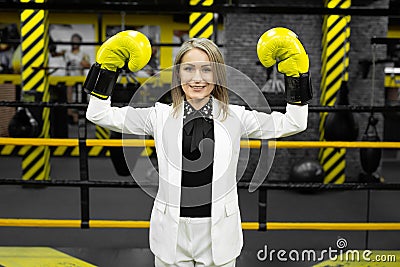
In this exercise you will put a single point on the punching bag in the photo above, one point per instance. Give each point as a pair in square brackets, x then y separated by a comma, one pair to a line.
[370, 157]
[341, 125]
[23, 124]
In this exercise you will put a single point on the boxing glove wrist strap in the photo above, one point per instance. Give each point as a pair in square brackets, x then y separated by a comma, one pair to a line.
[100, 82]
[298, 90]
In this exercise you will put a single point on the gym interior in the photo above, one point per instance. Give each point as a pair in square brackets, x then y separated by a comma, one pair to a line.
[69, 193]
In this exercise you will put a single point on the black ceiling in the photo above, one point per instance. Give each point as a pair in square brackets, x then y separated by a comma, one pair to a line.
[359, 7]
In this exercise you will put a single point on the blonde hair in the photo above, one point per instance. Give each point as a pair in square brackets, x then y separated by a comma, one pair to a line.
[220, 91]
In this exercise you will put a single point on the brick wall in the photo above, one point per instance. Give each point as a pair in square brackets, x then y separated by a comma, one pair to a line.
[7, 93]
[242, 32]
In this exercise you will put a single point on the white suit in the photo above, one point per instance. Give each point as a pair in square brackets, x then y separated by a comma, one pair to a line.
[159, 122]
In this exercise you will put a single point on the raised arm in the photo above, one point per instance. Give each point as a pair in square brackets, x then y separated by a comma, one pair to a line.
[266, 126]
[129, 48]
[282, 45]
[127, 119]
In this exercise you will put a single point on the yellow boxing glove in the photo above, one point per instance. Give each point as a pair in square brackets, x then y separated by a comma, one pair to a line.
[283, 45]
[126, 47]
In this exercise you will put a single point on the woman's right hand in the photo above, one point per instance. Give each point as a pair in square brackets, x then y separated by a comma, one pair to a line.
[127, 47]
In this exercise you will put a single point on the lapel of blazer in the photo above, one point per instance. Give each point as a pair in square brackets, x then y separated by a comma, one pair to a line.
[172, 142]
[222, 152]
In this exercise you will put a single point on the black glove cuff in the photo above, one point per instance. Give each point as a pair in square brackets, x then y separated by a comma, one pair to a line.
[298, 90]
[100, 82]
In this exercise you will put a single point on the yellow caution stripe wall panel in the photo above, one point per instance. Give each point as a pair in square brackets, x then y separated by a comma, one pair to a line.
[34, 57]
[201, 23]
[334, 70]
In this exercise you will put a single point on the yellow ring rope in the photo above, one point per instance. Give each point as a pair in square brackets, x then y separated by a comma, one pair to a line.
[243, 143]
[315, 226]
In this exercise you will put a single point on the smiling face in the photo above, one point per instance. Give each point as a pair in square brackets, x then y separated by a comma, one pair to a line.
[196, 74]
[199, 71]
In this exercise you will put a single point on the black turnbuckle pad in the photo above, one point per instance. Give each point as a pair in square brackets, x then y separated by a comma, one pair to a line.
[100, 82]
[298, 90]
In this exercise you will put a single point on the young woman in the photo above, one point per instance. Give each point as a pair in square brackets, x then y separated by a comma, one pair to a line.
[195, 220]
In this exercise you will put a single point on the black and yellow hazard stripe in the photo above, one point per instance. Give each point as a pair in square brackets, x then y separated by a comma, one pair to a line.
[12, 150]
[201, 23]
[101, 133]
[61, 151]
[58, 151]
[334, 70]
[34, 44]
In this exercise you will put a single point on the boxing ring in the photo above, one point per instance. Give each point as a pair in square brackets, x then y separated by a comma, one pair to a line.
[262, 225]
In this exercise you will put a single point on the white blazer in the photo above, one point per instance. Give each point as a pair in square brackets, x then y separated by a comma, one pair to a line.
[159, 122]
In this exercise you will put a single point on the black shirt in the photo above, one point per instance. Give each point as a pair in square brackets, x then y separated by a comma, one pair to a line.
[197, 160]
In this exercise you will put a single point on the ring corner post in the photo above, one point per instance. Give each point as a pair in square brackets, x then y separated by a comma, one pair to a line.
[262, 209]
